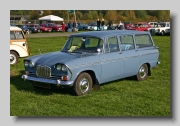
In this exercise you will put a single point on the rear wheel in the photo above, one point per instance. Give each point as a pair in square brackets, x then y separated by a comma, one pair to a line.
[83, 84]
[13, 57]
[142, 73]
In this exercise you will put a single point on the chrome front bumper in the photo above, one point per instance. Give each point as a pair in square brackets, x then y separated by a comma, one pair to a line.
[43, 80]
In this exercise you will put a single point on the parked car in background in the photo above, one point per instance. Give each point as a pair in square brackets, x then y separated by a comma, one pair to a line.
[38, 28]
[167, 31]
[33, 28]
[127, 24]
[89, 59]
[54, 26]
[18, 44]
[161, 28]
[82, 26]
[140, 26]
[93, 26]
[152, 24]
[12, 25]
[24, 28]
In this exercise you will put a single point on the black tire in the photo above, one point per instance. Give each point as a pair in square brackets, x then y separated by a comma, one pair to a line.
[142, 72]
[162, 33]
[83, 84]
[13, 57]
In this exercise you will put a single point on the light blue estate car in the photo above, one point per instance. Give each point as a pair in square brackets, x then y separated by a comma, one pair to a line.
[89, 59]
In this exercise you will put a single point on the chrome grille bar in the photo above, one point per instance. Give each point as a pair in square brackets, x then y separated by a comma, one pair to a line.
[43, 71]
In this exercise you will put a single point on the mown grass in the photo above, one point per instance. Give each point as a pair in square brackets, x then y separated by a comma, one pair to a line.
[125, 97]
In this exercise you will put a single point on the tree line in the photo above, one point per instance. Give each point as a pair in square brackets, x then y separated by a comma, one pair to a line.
[93, 15]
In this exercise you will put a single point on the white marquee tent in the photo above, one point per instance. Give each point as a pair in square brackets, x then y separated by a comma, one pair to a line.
[51, 18]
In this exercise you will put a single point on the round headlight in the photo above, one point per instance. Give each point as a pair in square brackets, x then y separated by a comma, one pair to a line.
[64, 68]
[58, 67]
[26, 63]
[31, 64]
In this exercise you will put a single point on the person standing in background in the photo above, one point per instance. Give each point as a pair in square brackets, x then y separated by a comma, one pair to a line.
[102, 24]
[63, 26]
[98, 24]
[74, 26]
[110, 23]
[69, 26]
[120, 26]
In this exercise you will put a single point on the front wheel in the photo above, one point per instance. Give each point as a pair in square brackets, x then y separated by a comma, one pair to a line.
[13, 57]
[83, 84]
[142, 73]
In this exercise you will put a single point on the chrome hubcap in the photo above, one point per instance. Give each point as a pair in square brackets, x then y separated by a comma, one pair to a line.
[142, 72]
[12, 59]
[84, 85]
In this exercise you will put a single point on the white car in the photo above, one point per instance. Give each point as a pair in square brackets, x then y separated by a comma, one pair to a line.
[152, 24]
[160, 28]
[18, 44]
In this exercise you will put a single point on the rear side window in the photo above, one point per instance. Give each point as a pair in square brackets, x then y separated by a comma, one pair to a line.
[143, 41]
[127, 42]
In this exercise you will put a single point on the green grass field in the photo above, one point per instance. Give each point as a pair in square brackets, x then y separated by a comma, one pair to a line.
[125, 97]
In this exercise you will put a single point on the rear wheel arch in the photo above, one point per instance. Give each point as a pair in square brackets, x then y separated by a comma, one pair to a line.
[149, 69]
[15, 52]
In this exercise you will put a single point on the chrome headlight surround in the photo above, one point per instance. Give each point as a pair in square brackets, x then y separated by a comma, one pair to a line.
[26, 63]
[64, 68]
[31, 64]
[58, 67]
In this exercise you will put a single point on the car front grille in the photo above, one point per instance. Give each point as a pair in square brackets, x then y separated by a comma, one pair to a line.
[43, 71]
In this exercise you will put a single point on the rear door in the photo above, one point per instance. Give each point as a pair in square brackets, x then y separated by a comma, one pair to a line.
[112, 61]
[131, 55]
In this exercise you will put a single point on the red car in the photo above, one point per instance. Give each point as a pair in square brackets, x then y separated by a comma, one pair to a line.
[40, 28]
[140, 26]
[54, 26]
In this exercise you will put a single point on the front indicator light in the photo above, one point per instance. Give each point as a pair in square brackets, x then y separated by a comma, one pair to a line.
[64, 78]
[26, 73]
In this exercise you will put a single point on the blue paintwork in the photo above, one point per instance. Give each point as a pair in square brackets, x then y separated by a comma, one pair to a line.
[106, 66]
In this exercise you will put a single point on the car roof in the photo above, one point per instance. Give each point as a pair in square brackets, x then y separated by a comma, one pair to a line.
[102, 34]
[15, 28]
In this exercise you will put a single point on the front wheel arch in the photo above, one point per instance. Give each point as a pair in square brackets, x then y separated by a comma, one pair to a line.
[82, 84]
[93, 76]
